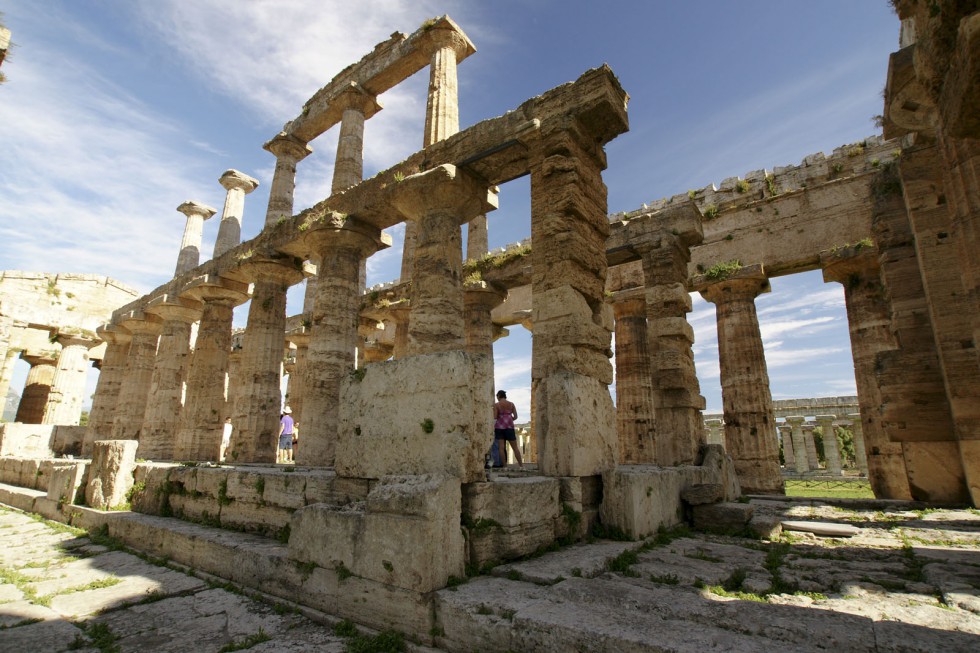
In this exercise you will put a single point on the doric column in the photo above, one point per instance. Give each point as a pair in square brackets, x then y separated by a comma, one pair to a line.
[860, 448]
[479, 299]
[869, 323]
[36, 388]
[288, 151]
[68, 385]
[786, 437]
[830, 451]
[664, 246]
[401, 314]
[799, 444]
[635, 420]
[190, 245]
[750, 423]
[202, 419]
[131, 404]
[477, 238]
[8, 356]
[111, 377]
[340, 243]
[439, 201]
[300, 336]
[256, 412]
[356, 105]
[716, 431]
[812, 461]
[238, 185]
[169, 375]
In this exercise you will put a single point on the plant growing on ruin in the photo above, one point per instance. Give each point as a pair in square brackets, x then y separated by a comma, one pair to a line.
[741, 186]
[722, 270]
[692, 194]
[428, 425]
[771, 185]
[710, 211]
[399, 176]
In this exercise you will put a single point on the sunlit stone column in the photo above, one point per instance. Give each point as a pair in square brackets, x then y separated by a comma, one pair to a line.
[860, 448]
[799, 444]
[340, 243]
[30, 410]
[401, 315]
[477, 238]
[288, 151]
[111, 377]
[479, 299]
[750, 423]
[300, 337]
[812, 461]
[202, 419]
[830, 450]
[869, 324]
[256, 412]
[8, 356]
[169, 374]
[786, 436]
[356, 105]
[68, 385]
[238, 185]
[635, 420]
[439, 201]
[131, 404]
[190, 246]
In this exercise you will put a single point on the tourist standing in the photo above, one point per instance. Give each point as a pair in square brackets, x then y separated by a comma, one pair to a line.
[504, 414]
[285, 452]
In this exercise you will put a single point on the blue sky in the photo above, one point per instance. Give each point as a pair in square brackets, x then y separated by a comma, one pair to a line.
[117, 111]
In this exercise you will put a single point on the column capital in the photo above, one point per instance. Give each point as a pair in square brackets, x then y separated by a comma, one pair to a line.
[235, 180]
[841, 263]
[77, 337]
[114, 334]
[353, 96]
[823, 419]
[300, 336]
[795, 420]
[441, 33]
[283, 268]
[629, 302]
[141, 323]
[742, 283]
[480, 294]
[287, 146]
[444, 190]
[338, 230]
[40, 358]
[192, 208]
[173, 307]
[213, 288]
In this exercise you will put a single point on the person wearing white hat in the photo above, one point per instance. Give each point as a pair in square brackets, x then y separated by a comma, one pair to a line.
[284, 454]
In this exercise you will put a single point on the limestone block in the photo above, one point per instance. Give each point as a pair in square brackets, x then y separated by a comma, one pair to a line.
[287, 490]
[722, 517]
[254, 518]
[246, 487]
[67, 440]
[639, 499]
[43, 476]
[111, 473]
[22, 472]
[26, 440]
[209, 482]
[703, 493]
[580, 439]
[717, 464]
[153, 480]
[513, 501]
[327, 487]
[195, 507]
[581, 490]
[66, 479]
[417, 415]
[408, 535]
[501, 543]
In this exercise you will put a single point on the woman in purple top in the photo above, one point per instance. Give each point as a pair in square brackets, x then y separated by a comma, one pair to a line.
[285, 452]
[504, 414]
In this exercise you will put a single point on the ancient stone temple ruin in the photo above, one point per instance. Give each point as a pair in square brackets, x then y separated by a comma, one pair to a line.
[390, 500]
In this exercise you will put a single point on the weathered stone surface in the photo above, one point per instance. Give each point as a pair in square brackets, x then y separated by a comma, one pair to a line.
[703, 493]
[111, 473]
[67, 478]
[722, 517]
[26, 440]
[581, 438]
[820, 528]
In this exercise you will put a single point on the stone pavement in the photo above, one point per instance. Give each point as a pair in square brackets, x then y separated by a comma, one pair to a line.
[908, 581]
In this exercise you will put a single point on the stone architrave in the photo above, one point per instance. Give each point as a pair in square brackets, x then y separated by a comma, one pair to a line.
[439, 201]
[190, 245]
[300, 337]
[830, 451]
[786, 437]
[288, 151]
[799, 444]
[479, 299]
[111, 377]
[162, 415]
[256, 411]
[664, 244]
[860, 448]
[340, 243]
[111, 473]
[636, 423]
[131, 405]
[750, 422]
[202, 419]
[869, 324]
[812, 460]
[238, 185]
[68, 385]
[716, 431]
[36, 388]
[574, 418]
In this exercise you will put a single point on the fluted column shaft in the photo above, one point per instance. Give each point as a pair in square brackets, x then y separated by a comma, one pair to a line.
[256, 411]
[30, 410]
[789, 455]
[478, 301]
[162, 415]
[296, 390]
[799, 445]
[812, 460]
[111, 377]
[635, 420]
[190, 245]
[202, 419]
[831, 453]
[131, 405]
[340, 245]
[860, 448]
[68, 385]
[288, 151]
[237, 185]
[750, 423]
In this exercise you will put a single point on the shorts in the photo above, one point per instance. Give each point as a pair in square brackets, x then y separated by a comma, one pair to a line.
[286, 441]
[505, 434]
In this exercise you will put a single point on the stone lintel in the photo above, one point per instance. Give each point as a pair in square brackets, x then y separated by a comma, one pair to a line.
[287, 146]
[190, 207]
[210, 287]
[746, 282]
[628, 237]
[840, 263]
[235, 180]
[444, 190]
[627, 295]
[175, 307]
